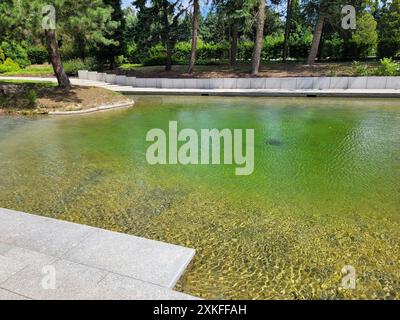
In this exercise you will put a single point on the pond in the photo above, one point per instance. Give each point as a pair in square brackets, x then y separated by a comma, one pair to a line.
[324, 194]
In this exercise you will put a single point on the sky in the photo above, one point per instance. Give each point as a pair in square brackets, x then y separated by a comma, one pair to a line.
[126, 3]
[205, 8]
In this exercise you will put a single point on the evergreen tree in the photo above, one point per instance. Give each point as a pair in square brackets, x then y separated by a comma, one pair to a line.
[389, 30]
[108, 53]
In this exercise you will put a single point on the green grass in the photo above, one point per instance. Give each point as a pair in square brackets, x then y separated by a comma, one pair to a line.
[44, 84]
[130, 66]
[34, 70]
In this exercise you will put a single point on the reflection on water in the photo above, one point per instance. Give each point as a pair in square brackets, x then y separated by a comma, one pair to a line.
[325, 191]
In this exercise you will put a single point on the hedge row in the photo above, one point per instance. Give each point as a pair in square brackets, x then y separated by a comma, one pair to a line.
[209, 53]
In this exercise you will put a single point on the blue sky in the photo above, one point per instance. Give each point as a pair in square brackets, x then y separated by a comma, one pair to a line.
[204, 7]
[126, 3]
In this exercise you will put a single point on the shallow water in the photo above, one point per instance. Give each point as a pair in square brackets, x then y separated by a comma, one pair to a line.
[325, 191]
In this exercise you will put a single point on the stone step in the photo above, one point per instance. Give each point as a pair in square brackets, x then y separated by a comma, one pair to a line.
[29, 242]
[74, 281]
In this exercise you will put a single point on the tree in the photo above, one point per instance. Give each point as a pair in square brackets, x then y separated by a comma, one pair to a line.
[365, 37]
[32, 18]
[316, 39]
[389, 30]
[55, 58]
[160, 21]
[195, 29]
[232, 14]
[91, 28]
[255, 64]
[115, 47]
[287, 28]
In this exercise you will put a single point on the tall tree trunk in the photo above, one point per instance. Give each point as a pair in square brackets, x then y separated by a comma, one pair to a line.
[62, 78]
[195, 30]
[112, 62]
[321, 46]
[287, 29]
[255, 65]
[168, 43]
[234, 43]
[316, 40]
[168, 64]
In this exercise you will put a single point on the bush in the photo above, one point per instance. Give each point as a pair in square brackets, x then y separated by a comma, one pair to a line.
[32, 97]
[9, 66]
[38, 55]
[245, 50]
[299, 44]
[333, 47]
[212, 51]
[157, 60]
[272, 47]
[207, 53]
[157, 50]
[388, 47]
[132, 53]
[15, 52]
[2, 56]
[72, 67]
[387, 67]
[360, 69]
[120, 60]
[182, 50]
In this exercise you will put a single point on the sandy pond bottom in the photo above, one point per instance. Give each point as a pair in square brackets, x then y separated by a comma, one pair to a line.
[325, 191]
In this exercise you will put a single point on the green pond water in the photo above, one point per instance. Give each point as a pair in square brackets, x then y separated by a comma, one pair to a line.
[325, 191]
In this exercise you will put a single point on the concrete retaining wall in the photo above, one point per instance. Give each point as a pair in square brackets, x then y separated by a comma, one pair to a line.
[298, 83]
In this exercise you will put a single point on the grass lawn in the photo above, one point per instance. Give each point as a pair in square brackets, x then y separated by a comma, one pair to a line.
[42, 84]
[41, 97]
[45, 70]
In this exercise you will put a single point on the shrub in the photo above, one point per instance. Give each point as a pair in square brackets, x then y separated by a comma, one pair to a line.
[387, 67]
[182, 50]
[299, 44]
[360, 69]
[388, 47]
[120, 60]
[333, 47]
[245, 50]
[272, 47]
[2, 56]
[38, 54]
[72, 67]
[15, 52]
[212, 51]
[9, 66]
[132, 53]
[157, 50]
[32, 97]
[2, 101]
[157, 60]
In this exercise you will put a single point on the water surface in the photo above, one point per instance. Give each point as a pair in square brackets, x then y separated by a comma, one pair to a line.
[325, 191]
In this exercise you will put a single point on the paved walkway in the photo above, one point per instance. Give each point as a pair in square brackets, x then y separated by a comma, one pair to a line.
[370, 93]
[86, 262]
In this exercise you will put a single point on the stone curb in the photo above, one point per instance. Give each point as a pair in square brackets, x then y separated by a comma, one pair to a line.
[95, 109]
